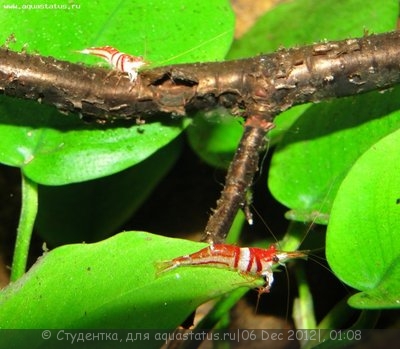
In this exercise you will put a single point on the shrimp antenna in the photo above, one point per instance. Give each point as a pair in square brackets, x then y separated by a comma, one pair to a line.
[265, 223]
[195, 47]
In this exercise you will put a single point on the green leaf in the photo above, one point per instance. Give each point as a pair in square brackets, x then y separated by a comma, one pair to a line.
[384, 295]
[156, 29]
[113, 284]
[309, 21]
[310, 163]
[54, 149]
[363, 248]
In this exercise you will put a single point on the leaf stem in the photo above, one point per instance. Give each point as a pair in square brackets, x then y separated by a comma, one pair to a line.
[303, 310]
[27, 218]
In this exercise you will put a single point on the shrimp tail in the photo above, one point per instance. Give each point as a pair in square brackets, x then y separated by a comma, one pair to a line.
[164, 266]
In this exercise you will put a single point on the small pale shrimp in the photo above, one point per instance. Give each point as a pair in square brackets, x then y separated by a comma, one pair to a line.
[118, 60]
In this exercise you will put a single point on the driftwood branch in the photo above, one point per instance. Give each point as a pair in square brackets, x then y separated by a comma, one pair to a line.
[271, 83]
[258, 88]
[238, 180]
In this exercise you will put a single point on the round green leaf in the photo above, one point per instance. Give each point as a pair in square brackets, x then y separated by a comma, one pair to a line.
[363, 248]
[113, 284]
[322, 145]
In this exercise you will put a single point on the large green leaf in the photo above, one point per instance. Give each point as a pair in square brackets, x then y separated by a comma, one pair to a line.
[322, 146]
[291, 23]
[113, 284]
[363, 248]
[53, 149]
[318, 149]
[159, 30]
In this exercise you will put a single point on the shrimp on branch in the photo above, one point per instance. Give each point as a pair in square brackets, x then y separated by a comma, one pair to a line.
[123, 62]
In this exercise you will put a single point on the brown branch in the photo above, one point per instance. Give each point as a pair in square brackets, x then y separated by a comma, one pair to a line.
[271, 82]
[258, 88]
[238, 179]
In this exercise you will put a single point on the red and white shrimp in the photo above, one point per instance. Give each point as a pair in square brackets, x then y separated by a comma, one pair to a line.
[249, 261]
[118, 60]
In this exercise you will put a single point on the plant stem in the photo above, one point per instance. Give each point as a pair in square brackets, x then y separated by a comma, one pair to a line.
[27, 218]
[303, 309]
[236, 228]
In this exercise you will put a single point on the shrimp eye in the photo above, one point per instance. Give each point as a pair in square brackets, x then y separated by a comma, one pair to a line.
[275, 259]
